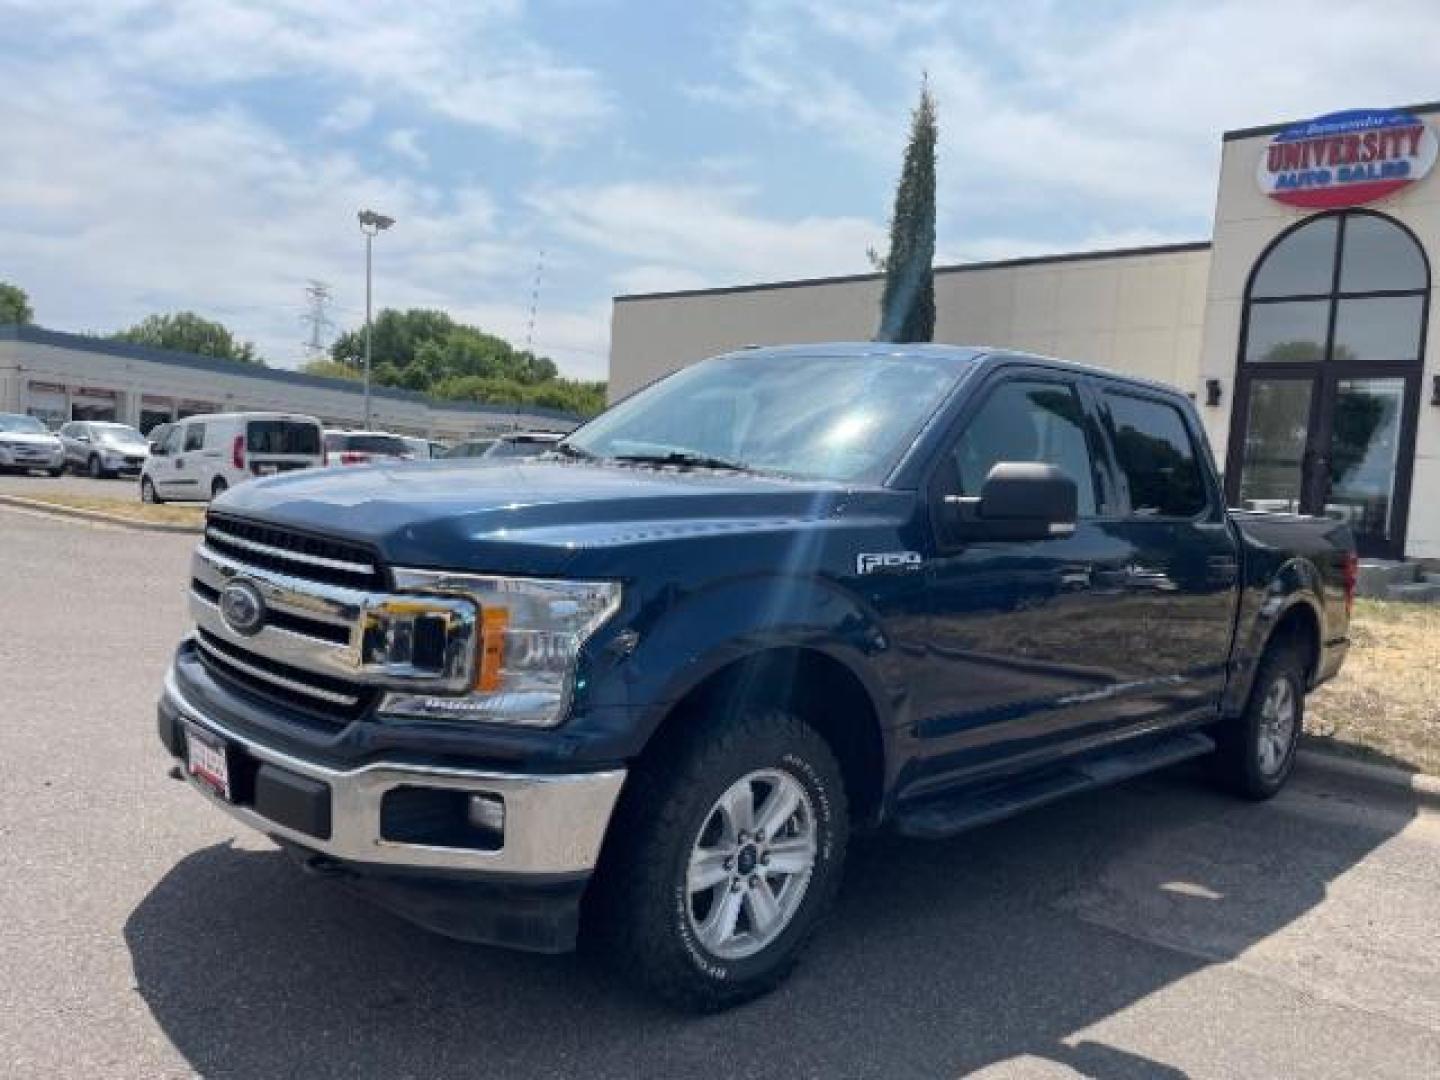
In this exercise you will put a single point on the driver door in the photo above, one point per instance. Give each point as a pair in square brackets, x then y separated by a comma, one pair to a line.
[1030, 641]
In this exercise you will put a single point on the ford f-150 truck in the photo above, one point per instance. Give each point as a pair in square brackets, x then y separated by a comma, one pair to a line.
[640, 691]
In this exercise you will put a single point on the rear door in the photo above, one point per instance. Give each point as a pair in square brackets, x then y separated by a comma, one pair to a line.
[281, 444]
[1183, 570]
[1030, 641]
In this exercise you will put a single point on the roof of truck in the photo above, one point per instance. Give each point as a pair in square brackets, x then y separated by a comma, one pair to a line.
[966, 355]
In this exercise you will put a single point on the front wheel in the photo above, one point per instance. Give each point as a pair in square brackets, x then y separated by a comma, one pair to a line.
[148, 494]
[1257, 748]
[722, 860]
[94, 468]
[56, 472]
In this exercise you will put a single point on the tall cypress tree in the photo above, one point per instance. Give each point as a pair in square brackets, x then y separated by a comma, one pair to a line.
[907, 308]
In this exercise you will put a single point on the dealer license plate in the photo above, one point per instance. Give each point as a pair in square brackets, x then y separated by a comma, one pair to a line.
[207, 761]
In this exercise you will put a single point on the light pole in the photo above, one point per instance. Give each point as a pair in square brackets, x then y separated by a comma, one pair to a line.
[370, 224]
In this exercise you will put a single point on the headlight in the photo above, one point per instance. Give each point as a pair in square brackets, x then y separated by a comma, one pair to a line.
[531, 632]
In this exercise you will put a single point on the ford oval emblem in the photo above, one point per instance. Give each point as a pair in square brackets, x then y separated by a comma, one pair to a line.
[242, 607]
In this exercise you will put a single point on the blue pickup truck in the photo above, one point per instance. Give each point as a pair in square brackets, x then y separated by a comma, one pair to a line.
[641, 690]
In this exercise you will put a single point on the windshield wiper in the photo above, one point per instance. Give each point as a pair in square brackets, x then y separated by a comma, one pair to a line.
[564, 449]
[685, 459]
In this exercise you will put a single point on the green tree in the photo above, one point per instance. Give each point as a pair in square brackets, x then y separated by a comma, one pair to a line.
[907, 307]
[330, 369]
[426, 350]
[14, 304]
[187, 332]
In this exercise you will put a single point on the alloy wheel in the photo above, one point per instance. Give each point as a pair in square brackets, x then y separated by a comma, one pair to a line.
[1277, 726]
[751, 864]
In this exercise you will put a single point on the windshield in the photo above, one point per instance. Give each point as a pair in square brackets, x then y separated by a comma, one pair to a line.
[23, 425]
[117, 433]
[823, 417]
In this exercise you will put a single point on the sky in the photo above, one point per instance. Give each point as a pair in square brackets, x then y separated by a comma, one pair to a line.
[211, 154]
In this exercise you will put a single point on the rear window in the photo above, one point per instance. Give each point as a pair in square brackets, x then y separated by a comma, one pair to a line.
[367, 444]
[1157, 456]
[282, 437]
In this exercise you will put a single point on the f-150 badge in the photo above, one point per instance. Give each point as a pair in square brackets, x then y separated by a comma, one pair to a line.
[869, 562]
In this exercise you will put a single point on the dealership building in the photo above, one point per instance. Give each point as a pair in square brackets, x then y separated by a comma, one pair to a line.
[1301, 327]
[60, 377]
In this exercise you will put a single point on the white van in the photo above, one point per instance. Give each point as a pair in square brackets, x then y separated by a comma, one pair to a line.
[203, 455]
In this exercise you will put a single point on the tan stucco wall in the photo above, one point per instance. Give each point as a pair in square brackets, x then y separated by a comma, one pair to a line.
[1135, 312]
[1246, 221]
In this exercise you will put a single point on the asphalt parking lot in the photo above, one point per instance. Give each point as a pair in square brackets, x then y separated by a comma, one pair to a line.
[1157, 929]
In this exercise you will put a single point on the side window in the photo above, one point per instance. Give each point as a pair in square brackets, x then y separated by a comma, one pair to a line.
[194, 437]
[1158, 457]
[1028, 420]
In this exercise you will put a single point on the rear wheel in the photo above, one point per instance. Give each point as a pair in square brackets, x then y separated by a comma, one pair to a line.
[721, 861]
[148, 493]
[218, 488]
[1257, 748]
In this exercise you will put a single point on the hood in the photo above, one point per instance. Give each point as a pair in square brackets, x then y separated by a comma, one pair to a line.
[533, 517]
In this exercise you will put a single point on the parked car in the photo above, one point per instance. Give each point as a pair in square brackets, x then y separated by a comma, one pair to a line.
[522, 444]
[777, 596]
[470, 448]
[26, 444]
[422, 449]
[103, 449]
[363, 447]
[201, 457]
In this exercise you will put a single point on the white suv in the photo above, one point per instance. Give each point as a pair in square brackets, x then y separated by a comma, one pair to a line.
[201, 456]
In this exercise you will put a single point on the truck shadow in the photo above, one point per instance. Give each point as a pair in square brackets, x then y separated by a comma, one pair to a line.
[941, 959]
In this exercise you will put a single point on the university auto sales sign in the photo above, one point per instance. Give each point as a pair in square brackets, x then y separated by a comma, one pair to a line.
[1346, 158]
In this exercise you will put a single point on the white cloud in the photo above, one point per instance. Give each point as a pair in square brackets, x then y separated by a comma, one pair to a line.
[113, 205]
[1048, 108]
[351, 114]
[405, 143]
[687, 235]
[470, 61]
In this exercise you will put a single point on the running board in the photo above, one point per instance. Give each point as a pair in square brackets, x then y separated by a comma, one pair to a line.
[947, 815]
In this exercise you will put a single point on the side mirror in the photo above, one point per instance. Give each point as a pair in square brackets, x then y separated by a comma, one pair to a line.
[82, 437]
[1020, 500]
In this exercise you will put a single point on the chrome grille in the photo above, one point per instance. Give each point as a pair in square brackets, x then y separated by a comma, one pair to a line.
[337, 562]
[327, 647]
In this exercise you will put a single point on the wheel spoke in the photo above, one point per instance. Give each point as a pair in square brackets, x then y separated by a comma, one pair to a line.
[791, 856]
[737, 807]
[764, 909]
[707, 869]
[779, 807]
[719, 925]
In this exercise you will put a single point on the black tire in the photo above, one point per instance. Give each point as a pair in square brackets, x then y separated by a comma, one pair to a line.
[641, 912]
[148, 494]
[57, 472]
[94, 468]
[218, 487]
[1242, 761]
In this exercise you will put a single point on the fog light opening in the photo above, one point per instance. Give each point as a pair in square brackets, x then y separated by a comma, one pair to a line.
[487, 812]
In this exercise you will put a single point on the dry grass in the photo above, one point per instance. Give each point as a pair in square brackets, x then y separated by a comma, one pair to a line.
[131, 509]
[1385, 703]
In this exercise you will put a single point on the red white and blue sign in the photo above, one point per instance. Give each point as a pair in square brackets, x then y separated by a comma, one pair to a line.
[1346, 158]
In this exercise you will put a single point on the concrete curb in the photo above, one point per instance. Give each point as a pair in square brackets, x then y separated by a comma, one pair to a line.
[1426, 787]
[98, 515]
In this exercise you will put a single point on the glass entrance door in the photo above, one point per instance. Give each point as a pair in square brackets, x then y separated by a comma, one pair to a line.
[1328, 442]
[1331, 352]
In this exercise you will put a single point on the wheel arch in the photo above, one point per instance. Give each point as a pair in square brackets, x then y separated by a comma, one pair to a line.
[822, 688]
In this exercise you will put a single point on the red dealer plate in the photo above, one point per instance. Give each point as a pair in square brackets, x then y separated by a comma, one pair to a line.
[207, 761]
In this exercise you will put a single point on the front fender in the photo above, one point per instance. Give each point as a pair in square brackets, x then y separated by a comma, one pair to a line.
[700, 633]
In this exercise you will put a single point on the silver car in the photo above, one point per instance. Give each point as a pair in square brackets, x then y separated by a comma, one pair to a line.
[27, 444]
[99, 448]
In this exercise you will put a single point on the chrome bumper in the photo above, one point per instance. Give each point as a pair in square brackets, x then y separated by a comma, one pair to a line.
[554, 824]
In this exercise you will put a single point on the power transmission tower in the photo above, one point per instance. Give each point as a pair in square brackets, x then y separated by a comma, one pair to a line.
[316, 316]
[534, 301]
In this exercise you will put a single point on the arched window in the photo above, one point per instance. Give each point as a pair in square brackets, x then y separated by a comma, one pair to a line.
[1343, 287]
[1330, 359]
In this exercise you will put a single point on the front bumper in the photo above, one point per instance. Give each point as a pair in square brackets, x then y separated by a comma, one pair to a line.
[24, 459]
[339, 821]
